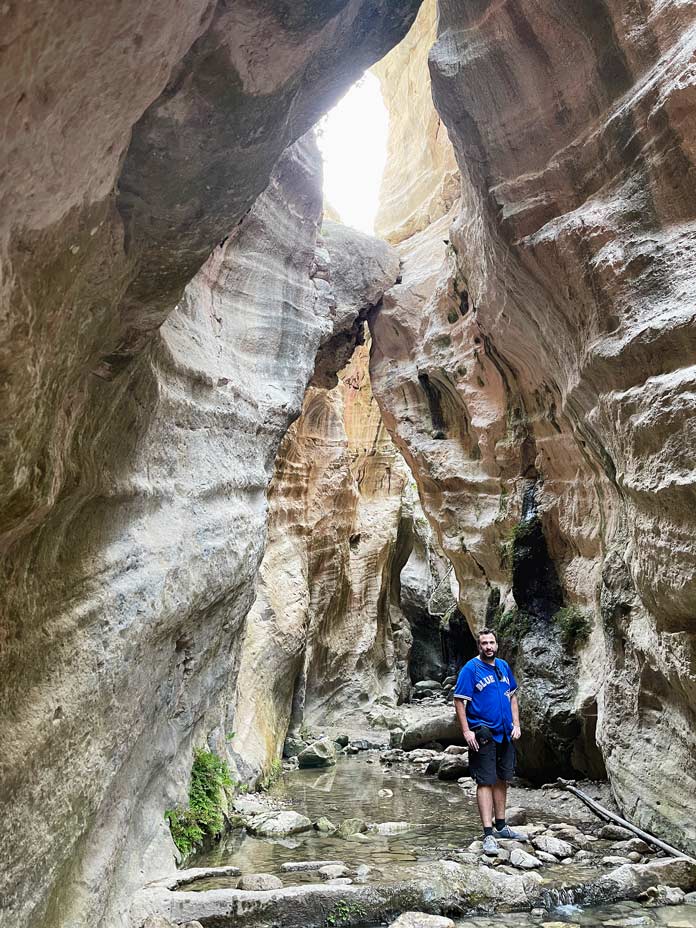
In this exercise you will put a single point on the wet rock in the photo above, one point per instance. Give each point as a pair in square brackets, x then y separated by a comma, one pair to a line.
[340, 881]
[385, 793]
[254, 882]
[524, 861]
[450, 681]
[333, 871]
[538, 913]
[396, 736]
[444, 727]
[552, 846]
[663, 895]
[362, 874]
[320, 753]
[306, 866]
[516, 816]
[351, 826]
[393, 756]
[634, 857]
[342, 741]
[360, 744]
[323, 824]
[614, 860]
[690, 899]
[453, 766]
[456, 749]
[546, 858]
[581, 855]
[421, 756]
[276, 824]
[293, 746]
[248, 805]
[390, 828]
[433, 766]
[421, 920]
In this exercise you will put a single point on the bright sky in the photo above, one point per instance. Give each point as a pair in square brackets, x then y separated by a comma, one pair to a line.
[353, 142]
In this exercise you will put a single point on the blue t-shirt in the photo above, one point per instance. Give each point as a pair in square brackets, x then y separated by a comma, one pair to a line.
[487, 690]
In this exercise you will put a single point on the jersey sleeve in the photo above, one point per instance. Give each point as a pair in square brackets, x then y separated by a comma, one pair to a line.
[465, 684]
[513, 681]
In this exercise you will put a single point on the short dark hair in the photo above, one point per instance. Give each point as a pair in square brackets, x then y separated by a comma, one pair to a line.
[486, 631]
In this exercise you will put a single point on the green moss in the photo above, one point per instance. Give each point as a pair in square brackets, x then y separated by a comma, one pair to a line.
[452, 316]
[271, 775]
[203, 817]
[511, 626]
[574, 625]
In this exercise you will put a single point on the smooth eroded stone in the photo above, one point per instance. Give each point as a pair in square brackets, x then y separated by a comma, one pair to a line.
[452, 767]
[523, 860]
[333, 871]
[421, 920]
[304, 866]
[351, 826]
[516, 816]
[254, 882]
[320, 753]
[552, 846]
[277, 824]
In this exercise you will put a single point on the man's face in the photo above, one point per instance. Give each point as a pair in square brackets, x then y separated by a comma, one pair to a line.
[488, 646]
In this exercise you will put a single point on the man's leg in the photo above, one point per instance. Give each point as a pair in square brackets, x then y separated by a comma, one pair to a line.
[484, 799]
[499, 801]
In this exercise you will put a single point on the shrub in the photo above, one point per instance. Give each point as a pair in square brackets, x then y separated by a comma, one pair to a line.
[203, 817]
[574, 625]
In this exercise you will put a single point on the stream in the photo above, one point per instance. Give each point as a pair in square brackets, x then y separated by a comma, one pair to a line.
[442, 819]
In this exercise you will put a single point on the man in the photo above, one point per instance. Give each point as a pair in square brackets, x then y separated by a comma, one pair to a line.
[486, 704]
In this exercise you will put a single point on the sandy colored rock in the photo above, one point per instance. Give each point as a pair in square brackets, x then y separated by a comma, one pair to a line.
[421, 920]
[254, 882]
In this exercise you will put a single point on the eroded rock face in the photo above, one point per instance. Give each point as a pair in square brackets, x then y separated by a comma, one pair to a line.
[541, 349]
[325, 633]
[420, 180]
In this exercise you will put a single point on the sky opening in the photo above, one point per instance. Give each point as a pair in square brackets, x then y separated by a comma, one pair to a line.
[353, 141]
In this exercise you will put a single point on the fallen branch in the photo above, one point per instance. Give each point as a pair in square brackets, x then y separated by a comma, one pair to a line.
[612, 817]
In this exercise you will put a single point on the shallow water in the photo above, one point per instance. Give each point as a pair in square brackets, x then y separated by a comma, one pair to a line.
[442, 817]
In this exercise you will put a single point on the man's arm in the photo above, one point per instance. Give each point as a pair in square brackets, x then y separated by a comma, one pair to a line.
[515, 707]
[469, 736]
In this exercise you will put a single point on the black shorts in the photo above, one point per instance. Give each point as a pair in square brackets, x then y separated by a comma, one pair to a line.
[493, 761]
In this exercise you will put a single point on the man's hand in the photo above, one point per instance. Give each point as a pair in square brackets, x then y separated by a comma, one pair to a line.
[516, 732]
[470, 738]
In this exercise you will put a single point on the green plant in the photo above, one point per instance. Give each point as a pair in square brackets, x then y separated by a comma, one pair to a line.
[203, 816]
[574, 625]
[272, 774]
[512, 625]
[344, 912]
[230, 735]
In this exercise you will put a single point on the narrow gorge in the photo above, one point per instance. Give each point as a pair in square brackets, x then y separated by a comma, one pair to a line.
[264, 476]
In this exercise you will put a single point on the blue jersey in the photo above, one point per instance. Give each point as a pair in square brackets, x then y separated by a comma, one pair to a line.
[487, 690]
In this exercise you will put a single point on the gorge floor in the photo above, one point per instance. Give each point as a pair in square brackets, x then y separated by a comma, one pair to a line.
[442, 822]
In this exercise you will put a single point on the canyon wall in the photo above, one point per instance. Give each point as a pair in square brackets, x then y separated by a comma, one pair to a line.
[137, 141]
[535, 367]
[324, 635]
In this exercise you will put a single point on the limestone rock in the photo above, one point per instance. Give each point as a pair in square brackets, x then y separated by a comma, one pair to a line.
[272, 824]
[552, 846]
[320, 753]
[332, 871]
[254, 882]
[523, 860]
[351, 826]
[443, 727]
[453, 767]
[421, 920]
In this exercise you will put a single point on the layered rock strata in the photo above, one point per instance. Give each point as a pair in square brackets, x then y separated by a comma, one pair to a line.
[420, 180]
[325, 633]
[535, 366]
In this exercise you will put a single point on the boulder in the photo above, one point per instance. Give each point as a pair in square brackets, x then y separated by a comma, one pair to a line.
[663, 895]
[516, 816]
[615, 833]
[456, 749]
[421, 920]
[552, 846]
[453, 766]
[433, 685]
[293, 746]
[443, 727]
[277, 824]
[253, 882]
[523, 860]
[320, 753]
[323, 824]
[433, 765]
